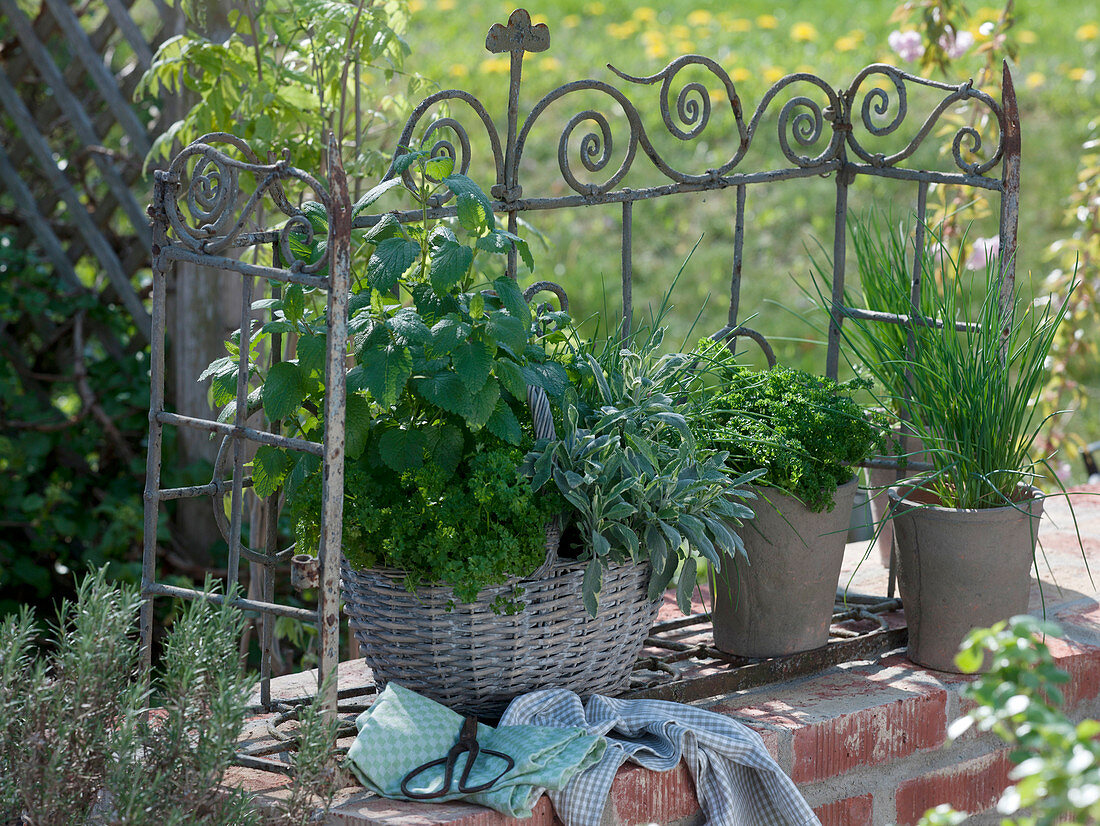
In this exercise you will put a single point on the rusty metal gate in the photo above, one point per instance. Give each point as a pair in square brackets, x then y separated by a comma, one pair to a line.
[201, 212]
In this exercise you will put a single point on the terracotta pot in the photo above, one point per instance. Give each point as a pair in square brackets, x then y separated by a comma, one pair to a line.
[781, 602]
[960, 569]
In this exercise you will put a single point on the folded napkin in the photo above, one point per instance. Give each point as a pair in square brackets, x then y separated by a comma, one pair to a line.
[736, 780]
[403, 730]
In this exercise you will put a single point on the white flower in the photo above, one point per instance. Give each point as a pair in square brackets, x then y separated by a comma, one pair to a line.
[956, 45]
[985, 250]
[908, 45]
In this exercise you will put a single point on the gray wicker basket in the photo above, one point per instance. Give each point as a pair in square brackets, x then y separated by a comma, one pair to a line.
[476, 661]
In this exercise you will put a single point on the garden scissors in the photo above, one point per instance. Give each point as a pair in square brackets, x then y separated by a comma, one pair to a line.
[467, 744]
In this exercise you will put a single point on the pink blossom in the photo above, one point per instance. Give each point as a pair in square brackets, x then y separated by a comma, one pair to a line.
[908, 45]
[956, 45]
[985, 250]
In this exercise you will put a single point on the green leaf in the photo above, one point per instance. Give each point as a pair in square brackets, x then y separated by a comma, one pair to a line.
[269, 468]
[311, 355]
[592, 585]
[306, 466]
[508, 331]
[315, 213]
[449, 264]
[389, 261]
[385, 372]
[550, 376]
[600, 545]
[218, 367]
[408, 328]
[512, 299]
[662, 575]
[402, 449]
[388, 226]
[439, 167]
[403, 162]
[283, 391]
[686, 585]
[373, 195]
[445, 391]
[504, 425]
[482, 404]
[473, 361]
[444, 447]
[449, 333]
[475, 211]
[223, 389]
[278, 326]
[508, 373]
[495, 242]
[357, 424]
[294, 302]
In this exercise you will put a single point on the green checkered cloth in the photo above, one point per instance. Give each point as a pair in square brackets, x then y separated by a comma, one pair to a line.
[403, 730]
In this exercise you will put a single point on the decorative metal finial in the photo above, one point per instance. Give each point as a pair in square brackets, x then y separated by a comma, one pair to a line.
[518, 36]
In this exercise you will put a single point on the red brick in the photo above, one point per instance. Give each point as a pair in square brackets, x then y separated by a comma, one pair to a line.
[1083, 664]
[972, 787]
[639, 795]
[870, 736]
[851, 811]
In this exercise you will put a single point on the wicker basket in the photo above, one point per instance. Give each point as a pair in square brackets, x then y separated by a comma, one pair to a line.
[476, 661]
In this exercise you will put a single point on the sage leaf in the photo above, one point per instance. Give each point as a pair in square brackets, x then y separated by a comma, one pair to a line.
[591, 586]
[686, 584]
[504, 425]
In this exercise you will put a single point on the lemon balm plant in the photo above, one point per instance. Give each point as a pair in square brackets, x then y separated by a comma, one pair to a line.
[443, 356]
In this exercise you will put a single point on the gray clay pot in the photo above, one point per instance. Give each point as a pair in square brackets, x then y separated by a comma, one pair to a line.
[781, 602]
[960, 569]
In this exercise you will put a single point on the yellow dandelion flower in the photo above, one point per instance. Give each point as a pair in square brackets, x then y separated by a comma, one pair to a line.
[1035, 80]
[1089, 31]
[847, 43]
[571, 21]
[459, 70]
[740, 75]
[767, 21]
[1076, 73]
[445, 5]
[700, 17]
[773, 74]
[718, 95]
[415, 6]
[1027, 37]
[684, 47]
[596, 8]
[803, 33]
[680, 31]
[644, 14]
[621, 31]
[496, 65]
[549, 64]
[806, 68]
[739, 25]
[656, 51]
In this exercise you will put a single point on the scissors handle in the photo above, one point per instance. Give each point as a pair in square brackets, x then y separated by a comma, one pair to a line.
[467, 744]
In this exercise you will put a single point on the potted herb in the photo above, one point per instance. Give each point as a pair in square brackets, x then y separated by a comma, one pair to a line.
[451, 576]
[966, 531]
[807, 433]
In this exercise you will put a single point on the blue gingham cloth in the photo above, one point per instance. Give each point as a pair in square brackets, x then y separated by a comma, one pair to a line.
[736, 781]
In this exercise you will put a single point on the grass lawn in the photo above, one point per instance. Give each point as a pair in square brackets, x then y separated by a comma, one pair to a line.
[756, 43]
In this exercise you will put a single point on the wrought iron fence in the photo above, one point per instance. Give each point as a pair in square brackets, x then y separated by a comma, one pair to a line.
[200, 214]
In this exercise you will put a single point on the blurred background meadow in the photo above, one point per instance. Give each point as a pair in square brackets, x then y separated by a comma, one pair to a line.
[1052, 50]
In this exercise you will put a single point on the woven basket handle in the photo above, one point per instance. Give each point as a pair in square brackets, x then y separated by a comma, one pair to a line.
[543, 420]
